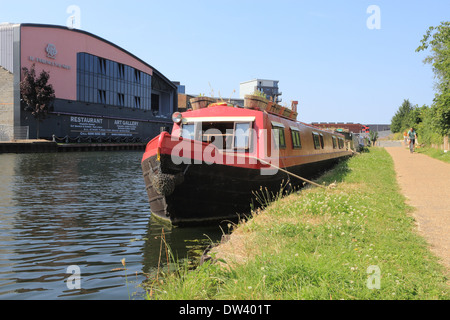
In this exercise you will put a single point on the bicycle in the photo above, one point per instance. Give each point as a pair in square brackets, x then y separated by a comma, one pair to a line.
[412, 136]
[411, 145]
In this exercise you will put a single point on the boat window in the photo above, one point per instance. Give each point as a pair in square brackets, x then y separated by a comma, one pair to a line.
[188, 131]
[321, 141]
[334, 142]
[295, 135]
[341, 143]
[219, 134]
[224, 135]
[316, 140]
[278, 134]
[242, 135]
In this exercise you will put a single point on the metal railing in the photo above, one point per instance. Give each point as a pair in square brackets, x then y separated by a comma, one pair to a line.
[96, 139]
[10, 133]
[21, 133]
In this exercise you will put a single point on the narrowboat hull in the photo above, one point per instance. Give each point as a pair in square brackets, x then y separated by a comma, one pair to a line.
[221, 162]
[193, 194]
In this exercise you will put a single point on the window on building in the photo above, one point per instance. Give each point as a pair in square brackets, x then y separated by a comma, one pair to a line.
[137, 76]
[101, 96]
[155, 103]
[295, 135]
[101, 65]
[100, 80]
[137, 102]
[121, 99]
[121, 69]
[341, 143]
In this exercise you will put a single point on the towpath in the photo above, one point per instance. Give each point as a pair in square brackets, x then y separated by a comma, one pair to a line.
[426, 184]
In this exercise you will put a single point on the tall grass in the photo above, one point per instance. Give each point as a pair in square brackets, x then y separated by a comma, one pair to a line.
[322, 244]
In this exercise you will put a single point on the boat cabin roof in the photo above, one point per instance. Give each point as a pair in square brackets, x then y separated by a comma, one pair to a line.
[225, 112]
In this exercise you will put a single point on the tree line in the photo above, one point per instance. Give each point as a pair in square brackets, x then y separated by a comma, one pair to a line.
[431, 122]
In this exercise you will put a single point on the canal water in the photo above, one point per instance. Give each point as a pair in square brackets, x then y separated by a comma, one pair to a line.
[64, 213]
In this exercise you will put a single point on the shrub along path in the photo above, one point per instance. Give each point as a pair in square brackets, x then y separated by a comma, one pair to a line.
[426, 184]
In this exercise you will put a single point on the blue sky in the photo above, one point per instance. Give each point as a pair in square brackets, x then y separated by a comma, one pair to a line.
[322, 52]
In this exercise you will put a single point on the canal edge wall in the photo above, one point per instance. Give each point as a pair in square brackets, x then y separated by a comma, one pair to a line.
[49, 147]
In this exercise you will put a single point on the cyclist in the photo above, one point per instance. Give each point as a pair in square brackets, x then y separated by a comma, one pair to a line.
[412, 136]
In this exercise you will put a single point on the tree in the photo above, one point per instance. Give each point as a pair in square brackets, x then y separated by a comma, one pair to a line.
[437, 40]
[37, 94]
[373, 135]
[441, 114]
[401, 119]
[425, 128]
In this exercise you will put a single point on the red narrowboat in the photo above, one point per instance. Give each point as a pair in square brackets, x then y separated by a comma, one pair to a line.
[217, 157]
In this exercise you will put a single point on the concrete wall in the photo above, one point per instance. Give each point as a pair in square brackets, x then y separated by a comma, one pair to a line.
[247, 88]
[6, 105]
[7, 46]
[269, 87]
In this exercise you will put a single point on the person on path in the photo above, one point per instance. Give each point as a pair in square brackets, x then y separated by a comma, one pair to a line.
[405, 137]
[412, 136]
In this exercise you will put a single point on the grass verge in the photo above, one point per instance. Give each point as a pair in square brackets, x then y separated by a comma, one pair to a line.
[355, 241]
[435, 153]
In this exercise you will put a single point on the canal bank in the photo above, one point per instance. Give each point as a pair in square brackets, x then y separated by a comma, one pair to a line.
[355, 241]
[28, 146]
[45, 146]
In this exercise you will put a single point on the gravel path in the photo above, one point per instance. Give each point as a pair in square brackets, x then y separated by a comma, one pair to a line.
[426, 184]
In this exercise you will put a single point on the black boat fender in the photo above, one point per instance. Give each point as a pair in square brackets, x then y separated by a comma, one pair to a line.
[164, 183]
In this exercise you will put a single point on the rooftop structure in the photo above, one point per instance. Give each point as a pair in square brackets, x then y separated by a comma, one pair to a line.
[268, 87]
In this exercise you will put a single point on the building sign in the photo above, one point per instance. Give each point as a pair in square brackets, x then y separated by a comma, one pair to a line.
[124, 126]
[85, 126]
[51, 51]
[51, 63]
[51, 54]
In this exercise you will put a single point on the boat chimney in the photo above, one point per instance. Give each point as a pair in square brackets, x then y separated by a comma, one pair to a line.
[294, 106]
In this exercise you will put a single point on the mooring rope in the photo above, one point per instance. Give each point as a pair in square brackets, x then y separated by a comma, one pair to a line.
[283, 170]
[289, 173]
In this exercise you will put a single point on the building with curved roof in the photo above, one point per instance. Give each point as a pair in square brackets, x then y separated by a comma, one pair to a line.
[103, 92]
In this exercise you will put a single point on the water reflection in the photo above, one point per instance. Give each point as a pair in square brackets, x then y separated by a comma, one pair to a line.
[84, 209]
